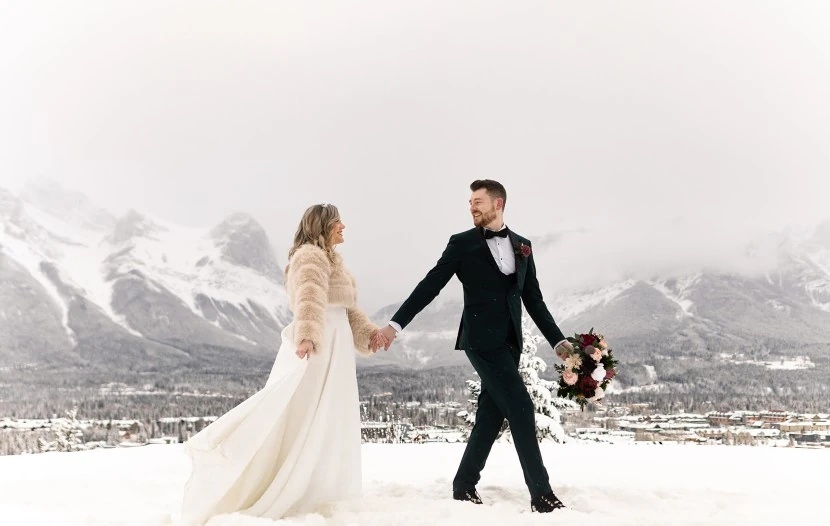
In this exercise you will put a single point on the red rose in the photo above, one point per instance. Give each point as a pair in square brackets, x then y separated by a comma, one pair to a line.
[587, 386]
[525, 250]
[610, 374]
[587, 339]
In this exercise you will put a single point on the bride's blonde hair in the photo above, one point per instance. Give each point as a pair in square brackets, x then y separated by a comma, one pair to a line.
[315, 229]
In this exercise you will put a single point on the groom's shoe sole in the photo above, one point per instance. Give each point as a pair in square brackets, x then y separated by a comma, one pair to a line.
[467, 496]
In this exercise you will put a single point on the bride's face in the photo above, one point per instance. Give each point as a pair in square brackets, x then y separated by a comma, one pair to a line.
[336, 234]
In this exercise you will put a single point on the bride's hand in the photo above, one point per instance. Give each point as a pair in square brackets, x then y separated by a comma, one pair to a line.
[304, 349]
[378, 341]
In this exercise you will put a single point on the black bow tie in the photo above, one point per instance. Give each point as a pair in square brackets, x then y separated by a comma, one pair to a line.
[492, 233]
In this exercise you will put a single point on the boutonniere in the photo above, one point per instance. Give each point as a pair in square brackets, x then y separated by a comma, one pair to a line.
[523, 250]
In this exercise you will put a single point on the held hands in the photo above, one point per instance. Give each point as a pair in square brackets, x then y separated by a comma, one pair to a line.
[378, 340]
[304, 349]
[383, 338]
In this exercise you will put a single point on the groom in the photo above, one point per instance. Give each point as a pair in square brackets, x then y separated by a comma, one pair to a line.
[495, 266]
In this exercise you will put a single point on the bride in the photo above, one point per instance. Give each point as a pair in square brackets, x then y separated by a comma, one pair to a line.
[295, 443]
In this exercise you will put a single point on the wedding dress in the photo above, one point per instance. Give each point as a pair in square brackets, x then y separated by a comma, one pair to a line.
[290, 447]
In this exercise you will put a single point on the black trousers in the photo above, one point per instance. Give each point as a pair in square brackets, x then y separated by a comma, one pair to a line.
[503, 395]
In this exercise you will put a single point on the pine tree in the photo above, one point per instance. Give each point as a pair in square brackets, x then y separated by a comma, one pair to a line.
[474, 387]
[548, 406]
[112, 437]
[68, 434]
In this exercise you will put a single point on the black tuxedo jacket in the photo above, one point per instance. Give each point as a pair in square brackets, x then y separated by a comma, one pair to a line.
[492, 301]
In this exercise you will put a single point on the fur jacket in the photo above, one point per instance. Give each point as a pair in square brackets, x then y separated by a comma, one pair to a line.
[314, 282]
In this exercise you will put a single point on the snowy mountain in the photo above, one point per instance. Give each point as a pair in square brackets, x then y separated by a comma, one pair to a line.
[773, 314]
[81, 287]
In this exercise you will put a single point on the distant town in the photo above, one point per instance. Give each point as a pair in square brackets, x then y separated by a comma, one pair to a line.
[385, 421]
[636, 423]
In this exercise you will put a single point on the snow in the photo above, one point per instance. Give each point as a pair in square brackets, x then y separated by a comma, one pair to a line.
[818, 288]
[57, 226]
[810, 262]
[78, 254]
[410, 484]
[170, 257]
[617, 388]
[611, 436]
[121, 389]
[31, 260]
[795, 364]
[776, 363]
[777, 305]
[20, 366]
[570, 306]
[84, 266]
[679, 293]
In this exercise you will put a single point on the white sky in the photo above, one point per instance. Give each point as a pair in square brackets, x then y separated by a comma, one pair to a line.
[667, 133]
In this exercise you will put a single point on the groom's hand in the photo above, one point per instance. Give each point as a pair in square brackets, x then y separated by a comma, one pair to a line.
[564, 349]
[390, 334]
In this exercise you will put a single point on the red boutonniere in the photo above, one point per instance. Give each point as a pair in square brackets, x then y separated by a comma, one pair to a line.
[524, 250]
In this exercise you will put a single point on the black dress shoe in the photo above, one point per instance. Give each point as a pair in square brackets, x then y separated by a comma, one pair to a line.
[469, 495]
[546, 503]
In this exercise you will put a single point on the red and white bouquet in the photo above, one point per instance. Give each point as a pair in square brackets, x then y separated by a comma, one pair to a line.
[587, 370]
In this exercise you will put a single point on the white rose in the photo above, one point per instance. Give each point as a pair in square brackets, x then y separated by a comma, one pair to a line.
[599, 373]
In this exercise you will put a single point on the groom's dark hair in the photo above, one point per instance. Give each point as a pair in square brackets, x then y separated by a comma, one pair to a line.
[494, 189]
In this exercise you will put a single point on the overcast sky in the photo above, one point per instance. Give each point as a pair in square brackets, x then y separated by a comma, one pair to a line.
[662, 131]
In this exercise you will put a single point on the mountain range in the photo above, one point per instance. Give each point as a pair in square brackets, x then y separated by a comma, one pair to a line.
[82, 289]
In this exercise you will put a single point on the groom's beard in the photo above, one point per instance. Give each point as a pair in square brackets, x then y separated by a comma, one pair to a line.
[485, 218]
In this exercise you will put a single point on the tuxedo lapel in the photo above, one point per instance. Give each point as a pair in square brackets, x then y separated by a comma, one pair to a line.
[521, 261]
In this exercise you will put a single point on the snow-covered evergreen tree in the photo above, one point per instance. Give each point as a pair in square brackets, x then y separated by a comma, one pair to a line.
[474, 387]
[548, 406]
[542, 392]
[68, 434]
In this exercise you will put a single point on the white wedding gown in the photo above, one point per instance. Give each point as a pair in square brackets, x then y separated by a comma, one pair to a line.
[290, 447]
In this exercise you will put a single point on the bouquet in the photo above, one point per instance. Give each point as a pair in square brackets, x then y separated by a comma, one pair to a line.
[587, 370]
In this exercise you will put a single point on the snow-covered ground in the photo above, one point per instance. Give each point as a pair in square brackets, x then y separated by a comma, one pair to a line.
[410, 484]
[777, 363]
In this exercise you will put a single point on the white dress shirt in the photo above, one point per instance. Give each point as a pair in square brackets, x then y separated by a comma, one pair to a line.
[502, 252]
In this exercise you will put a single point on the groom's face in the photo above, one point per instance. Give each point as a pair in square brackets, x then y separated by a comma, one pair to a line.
[482, 207]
